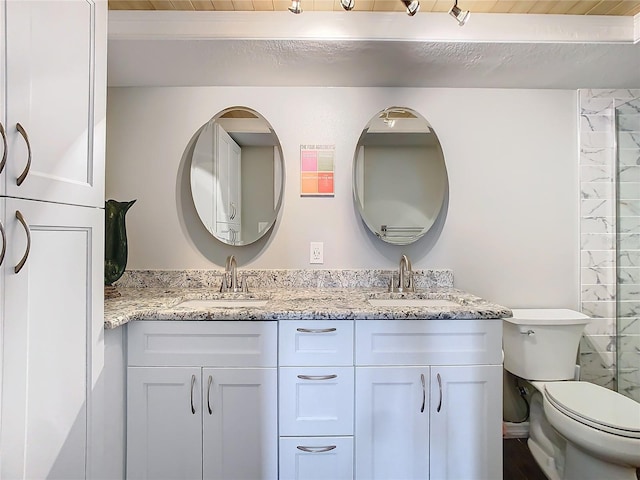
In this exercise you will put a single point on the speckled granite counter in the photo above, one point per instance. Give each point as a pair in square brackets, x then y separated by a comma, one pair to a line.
[342, 296]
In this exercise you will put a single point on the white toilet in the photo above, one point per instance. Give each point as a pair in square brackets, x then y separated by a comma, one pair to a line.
[577, 430]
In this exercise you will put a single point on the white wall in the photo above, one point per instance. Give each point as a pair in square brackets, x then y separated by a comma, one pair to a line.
[511, 232]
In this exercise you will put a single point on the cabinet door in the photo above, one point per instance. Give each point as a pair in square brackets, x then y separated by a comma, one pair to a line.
[466, 422]
[164, 423]
[228, 154]
[316, 458]
[52, 338]
[240, 438]
[56, 92]
[392, 423]
[3, 102]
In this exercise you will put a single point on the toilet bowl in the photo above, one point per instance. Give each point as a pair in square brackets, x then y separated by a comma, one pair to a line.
[578, 430]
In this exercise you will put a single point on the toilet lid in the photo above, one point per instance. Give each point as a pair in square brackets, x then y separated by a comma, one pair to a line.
[596, 406]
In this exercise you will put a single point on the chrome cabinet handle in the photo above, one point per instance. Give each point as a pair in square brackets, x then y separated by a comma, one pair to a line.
[317, 377]
[193, 382]
[28, 232]
[4, 243]
[209, 395]
[25, 172]
[440, 387]
[316, 330]
[328, 448]
[3, 162]
[424, 393]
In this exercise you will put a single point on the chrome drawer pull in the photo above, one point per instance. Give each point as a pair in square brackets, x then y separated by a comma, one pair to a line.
[328, 448]
[316, 330]
[424, 393]
[3, 162]
[193, 382]
[25, 172]
[209, 395]
[23, 260]
[440, 387]
[317, 377]
[4, 243]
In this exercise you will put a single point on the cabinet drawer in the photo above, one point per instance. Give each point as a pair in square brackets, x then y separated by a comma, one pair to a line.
[316, 401]
[220, 344]
[309, 343]
[428, 342]
[306, 458]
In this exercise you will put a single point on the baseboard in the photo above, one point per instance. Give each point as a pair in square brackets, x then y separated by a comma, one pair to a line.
[515, 430]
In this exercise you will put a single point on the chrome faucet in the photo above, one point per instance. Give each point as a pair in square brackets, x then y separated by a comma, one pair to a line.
[231, 275]
[405, 275]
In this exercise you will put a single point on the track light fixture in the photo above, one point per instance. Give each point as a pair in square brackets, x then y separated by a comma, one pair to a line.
[295, 6]
[348, 4]
[460, 15]
[412, 6]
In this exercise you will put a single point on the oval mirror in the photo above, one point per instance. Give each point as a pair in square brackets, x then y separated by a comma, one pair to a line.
[237, 176]
[399, 176]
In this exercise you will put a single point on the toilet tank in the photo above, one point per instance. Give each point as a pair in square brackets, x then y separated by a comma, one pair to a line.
[542, 344]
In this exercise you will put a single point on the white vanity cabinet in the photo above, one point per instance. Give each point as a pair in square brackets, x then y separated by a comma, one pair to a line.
[428, 399]
[202, 400]
[316, 399]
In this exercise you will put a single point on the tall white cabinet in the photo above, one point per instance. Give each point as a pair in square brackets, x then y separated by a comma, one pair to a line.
[52, 194]
[227, 205]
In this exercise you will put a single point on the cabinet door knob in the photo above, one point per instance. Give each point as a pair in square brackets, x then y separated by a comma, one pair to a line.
[317, 377]
[23, 260]
[193, 382]
[209, 395]
[25, 172]
[439, 387]
[3, 162]
[4, 243]
[328, 448]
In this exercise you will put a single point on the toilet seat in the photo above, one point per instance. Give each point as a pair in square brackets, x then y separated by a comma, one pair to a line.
[596, 407]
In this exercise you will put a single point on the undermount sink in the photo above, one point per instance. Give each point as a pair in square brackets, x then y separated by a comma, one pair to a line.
[223, 302]
[412, 302]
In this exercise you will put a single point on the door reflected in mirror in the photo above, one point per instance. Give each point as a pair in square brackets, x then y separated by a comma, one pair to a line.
[237, 176]
[399, 176]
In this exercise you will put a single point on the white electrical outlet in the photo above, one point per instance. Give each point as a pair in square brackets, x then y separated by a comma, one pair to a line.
[316, 252]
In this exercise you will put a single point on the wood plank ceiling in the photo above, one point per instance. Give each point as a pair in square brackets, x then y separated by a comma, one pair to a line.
[567, 7]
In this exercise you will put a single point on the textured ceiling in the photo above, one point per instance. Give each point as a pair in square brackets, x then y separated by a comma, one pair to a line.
[372, 49]
[570, 7]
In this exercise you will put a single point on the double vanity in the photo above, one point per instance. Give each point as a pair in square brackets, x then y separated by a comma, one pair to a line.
[310, 374]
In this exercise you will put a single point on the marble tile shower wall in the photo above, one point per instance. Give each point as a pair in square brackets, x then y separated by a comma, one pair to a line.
[610, 237]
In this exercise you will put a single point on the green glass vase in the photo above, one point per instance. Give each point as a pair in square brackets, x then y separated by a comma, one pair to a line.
[115, 246]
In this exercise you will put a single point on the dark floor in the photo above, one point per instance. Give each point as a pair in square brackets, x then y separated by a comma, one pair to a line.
[518, 463]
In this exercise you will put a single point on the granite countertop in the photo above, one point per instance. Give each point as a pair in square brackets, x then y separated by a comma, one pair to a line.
[161, 303]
